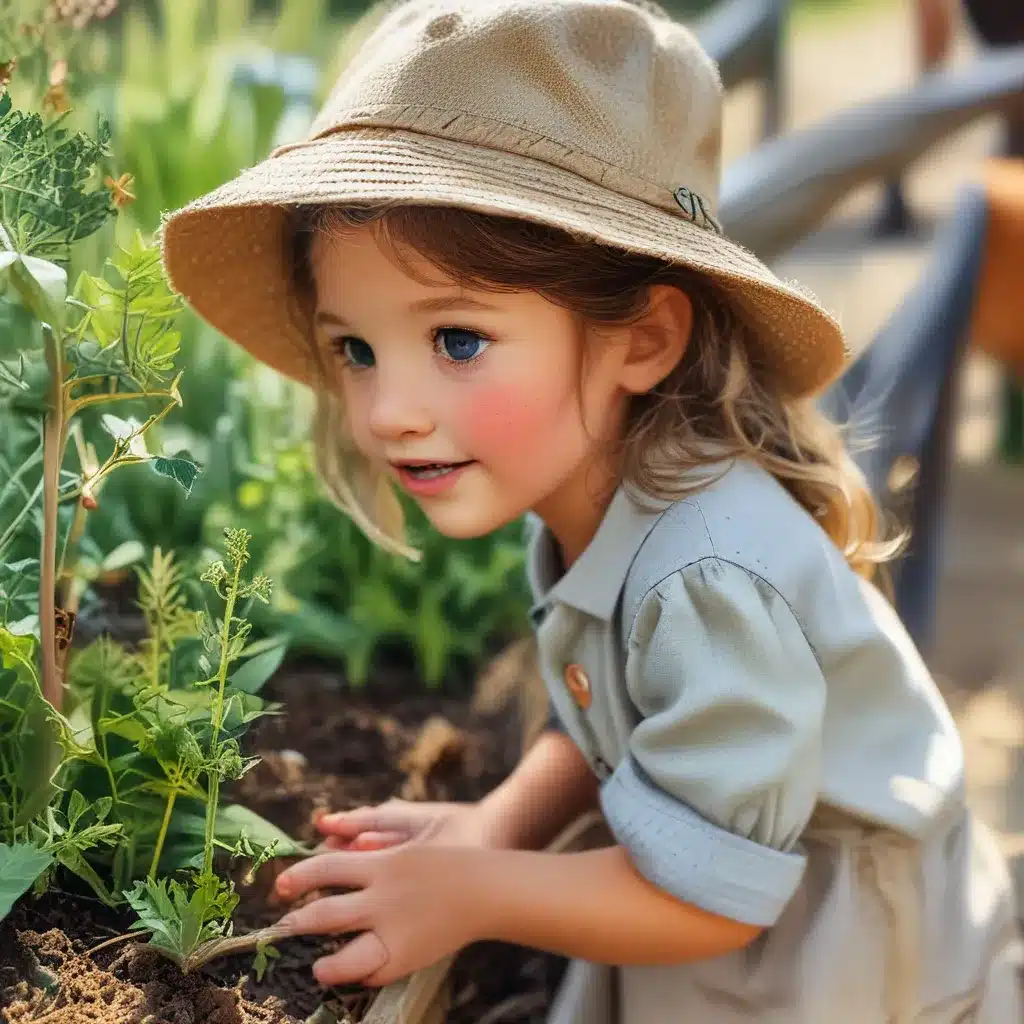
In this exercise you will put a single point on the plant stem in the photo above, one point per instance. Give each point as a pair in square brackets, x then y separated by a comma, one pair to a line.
[213, 788]
[158, 642]
[127, 937]
[67, 596]
[163, 833]
[110, 771]
[54, 437]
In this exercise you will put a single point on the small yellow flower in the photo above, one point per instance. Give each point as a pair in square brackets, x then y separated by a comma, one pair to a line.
[57, 98]
[119, 189]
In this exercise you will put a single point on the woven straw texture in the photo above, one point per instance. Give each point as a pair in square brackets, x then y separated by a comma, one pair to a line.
[600, 117]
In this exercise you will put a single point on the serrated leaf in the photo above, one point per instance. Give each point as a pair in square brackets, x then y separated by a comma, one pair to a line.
[72, 860]
[20, 866]
[181, 469]
[264, 954]
[77, 806]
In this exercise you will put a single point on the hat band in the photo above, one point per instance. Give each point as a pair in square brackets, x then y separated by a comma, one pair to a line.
[503, 138]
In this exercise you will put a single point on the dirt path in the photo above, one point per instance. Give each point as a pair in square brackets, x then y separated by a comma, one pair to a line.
[979, 651]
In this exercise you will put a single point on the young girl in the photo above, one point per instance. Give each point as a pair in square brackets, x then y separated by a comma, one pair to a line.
[496, 260]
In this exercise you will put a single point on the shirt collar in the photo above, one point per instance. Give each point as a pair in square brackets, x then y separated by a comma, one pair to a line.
[594, 581]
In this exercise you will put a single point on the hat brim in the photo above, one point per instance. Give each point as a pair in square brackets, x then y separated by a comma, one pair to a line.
[227, 252]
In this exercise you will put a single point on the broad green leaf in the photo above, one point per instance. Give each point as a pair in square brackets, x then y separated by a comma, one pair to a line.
[128, 553]
[124, 726]
[178, 468]
[39, 285]
[20, 866]
[80, 720]
[234, 820]
[26, 628]
[18, 652]
[49, 278]
[256, 671]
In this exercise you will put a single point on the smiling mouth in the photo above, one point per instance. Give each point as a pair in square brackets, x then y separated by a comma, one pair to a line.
[430, 470]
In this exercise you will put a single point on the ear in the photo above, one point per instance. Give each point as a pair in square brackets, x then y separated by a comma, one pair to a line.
[656, 343]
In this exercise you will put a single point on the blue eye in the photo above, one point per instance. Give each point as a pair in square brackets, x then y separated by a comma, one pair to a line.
[356, 352]
[460, 346]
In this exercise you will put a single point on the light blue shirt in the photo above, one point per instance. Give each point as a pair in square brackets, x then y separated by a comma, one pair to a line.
[741, 673]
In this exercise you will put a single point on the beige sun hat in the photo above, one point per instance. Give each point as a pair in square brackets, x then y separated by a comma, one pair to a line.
[600, 117]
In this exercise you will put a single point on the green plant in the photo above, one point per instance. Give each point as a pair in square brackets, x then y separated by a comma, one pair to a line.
[107, 343]
[193, 95]
[183, 915]
[36, 745]
[155, 730]
[341, 596]
[110, 763]
[193, 104]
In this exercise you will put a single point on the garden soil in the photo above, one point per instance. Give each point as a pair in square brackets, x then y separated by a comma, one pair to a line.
[330, 748]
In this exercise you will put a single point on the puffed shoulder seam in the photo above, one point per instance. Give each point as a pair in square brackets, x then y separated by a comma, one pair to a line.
[680, 569]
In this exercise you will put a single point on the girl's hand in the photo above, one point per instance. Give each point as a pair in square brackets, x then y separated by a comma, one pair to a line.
[412, 904]
[398, 821]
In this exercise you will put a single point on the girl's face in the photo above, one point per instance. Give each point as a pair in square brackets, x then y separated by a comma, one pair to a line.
[479, 404]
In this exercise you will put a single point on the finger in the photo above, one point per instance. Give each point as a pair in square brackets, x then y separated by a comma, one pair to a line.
[349, 824]
[331, 915]
[356, 961]
[364, 841]
[334, 870]
[377, 840]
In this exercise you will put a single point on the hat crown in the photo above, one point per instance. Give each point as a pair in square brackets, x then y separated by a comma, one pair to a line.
[611, 90]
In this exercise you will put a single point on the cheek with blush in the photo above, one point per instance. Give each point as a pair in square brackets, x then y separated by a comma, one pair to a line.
[501, 423]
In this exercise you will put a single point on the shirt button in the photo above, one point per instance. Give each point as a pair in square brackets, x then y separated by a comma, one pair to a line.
[578, 684]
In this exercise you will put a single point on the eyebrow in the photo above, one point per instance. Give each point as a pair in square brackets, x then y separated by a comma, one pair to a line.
[440, 302]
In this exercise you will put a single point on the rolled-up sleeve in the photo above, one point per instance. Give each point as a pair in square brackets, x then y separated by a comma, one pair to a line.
[722, 772]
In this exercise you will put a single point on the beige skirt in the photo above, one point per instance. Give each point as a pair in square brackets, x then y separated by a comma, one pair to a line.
[883, 930]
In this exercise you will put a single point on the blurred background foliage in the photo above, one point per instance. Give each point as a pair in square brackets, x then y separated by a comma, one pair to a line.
[194, 91]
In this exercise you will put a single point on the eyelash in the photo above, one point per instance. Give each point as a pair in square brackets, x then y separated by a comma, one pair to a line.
[338, 344]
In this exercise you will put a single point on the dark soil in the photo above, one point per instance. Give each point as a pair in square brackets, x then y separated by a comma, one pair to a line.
[51, 981]
[331, 749]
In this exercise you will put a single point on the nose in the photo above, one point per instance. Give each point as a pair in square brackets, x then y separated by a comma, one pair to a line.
[397, 407]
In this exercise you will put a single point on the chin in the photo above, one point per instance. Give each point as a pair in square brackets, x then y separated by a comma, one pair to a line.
[458, 525]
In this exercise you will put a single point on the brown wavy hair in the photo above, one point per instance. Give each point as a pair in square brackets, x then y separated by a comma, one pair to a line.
[720, 401]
